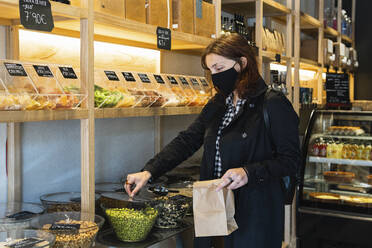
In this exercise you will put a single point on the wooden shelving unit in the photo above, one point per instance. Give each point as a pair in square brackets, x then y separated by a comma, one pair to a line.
[140, 112]
[247, 7]
[331, 32]
[89, 26]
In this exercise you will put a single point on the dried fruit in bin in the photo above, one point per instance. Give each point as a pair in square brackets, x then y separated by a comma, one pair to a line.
[105, 98]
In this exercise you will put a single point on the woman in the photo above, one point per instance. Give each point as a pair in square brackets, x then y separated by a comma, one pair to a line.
[237, 146]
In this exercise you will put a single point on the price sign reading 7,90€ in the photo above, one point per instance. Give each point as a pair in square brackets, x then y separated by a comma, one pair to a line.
[164, 38]
[36, 14]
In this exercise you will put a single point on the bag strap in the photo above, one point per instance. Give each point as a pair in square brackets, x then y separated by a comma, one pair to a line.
[267, 119]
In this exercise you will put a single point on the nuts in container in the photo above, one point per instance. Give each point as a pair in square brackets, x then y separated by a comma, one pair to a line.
[63, 201]
[172, 210]
[72, 229]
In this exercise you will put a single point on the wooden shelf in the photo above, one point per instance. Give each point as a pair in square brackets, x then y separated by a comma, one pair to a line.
[141, 112]
[308, 64]
[9, 11]
[269, 57]
[248, 7]
[113, 29]
[309, 22]
[42, 115]
[341, 161]
[331, 32]
[346, 38]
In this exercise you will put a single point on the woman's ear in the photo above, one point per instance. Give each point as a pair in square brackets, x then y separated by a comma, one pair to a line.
[244, 61]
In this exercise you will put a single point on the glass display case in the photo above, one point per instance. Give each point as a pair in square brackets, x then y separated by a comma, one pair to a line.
[336, 185]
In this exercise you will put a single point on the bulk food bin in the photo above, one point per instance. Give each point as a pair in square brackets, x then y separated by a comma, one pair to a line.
[17, 215]
[63, 201]
[172, 99]
[201, 95]
[72, 229]
[109, 91]
[187, 89]
[26, 238]
[150, 90]
[174, 85]
[131, 218]
[69, 79]
[17, 92]
[134, 86]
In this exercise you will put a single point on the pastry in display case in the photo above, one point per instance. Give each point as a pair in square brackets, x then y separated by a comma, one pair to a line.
[187, 89]
[207, 86]
[109, 91]
[173, 84]
[336, 186]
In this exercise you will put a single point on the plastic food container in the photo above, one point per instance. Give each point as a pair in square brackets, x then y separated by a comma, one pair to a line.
[63, 201]
[201, 96]
[135, 88]
[110, 91]
[17, 89]
[187, 89]
[17, 215]
[159, 81]
[72, 229]
[175, 87]
[26, 238]
[69, 79]
[172, 210]
[150, 89]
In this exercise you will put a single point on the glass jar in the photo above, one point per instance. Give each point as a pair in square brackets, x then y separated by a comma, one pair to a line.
[353, 150]
[360, 150]
[322, 148]
[345, 150]
[315, 149]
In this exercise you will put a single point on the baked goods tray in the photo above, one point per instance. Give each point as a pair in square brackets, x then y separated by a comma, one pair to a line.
[355, 183]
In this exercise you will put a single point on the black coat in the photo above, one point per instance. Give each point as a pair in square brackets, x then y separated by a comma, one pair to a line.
[245, 142]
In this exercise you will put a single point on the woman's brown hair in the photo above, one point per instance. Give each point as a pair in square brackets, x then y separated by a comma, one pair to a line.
[235, 46]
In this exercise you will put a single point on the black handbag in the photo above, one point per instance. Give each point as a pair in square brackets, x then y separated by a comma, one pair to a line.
[288, 183]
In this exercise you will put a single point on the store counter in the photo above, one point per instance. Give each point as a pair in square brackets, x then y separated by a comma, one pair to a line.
[181, 237]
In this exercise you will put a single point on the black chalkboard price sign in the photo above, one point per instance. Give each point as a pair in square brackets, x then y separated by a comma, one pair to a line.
[36, 15]
[15, 70]
[43, 71]
[337, 87]
[164, 38]
[68, 72]
[111, 75]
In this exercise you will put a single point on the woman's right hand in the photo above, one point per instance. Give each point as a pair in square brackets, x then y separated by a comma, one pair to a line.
[139, 179]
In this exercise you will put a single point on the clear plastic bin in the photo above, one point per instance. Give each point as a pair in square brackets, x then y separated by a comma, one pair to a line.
[150, 89]
[135, 88]
[201, 95]
[207, 86]
[175, 87]
[33, 86]
[110, 91]
[187, 89]
[172, 100]
[69, 79]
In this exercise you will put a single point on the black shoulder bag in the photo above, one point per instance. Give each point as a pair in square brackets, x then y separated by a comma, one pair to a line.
[288, 183]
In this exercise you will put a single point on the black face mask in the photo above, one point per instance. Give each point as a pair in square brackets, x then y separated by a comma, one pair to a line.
[225, 81]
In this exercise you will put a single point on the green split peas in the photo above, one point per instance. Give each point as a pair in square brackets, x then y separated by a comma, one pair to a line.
[132, 225]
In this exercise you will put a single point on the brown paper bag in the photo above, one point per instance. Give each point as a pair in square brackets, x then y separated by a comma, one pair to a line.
[213, 211]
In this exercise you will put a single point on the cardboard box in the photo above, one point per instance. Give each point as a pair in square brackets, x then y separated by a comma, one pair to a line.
[309, 49]
[206, 25]
[135, 10]
[157, 12]
[183, 15]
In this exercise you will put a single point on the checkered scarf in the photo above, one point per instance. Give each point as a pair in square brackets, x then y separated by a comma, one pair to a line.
[226, 120]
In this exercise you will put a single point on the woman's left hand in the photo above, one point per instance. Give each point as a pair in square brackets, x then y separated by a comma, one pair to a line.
[233, 179]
